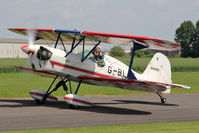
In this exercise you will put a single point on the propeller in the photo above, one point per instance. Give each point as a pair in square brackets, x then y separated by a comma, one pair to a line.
[31, 36]
[29, 48]
[30, 23]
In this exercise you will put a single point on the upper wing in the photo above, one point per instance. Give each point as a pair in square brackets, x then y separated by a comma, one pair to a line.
[49, 34]
[68, 35]
[151, 43]
[129, 84]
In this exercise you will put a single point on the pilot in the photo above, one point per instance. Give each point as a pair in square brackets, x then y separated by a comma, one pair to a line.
[97, 57]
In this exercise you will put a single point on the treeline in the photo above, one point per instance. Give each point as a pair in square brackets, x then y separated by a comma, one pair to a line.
[119, 51]
[188, 37]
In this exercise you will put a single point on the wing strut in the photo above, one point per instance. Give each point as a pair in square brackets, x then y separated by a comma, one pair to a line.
[75, 45]
[59, 38]
[136, 46]
[84, 58]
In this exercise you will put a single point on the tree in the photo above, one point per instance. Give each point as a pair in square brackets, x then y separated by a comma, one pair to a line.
[142, 53]
[195, 41]
[139, 53]
[117, 51]
[148, 53]
[183, 35]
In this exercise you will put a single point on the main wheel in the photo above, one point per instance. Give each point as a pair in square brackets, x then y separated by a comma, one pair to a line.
[73, 106]
[163, 100]
[37, 101]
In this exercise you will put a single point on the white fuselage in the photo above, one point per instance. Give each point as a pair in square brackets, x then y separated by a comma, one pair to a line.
[72, 65]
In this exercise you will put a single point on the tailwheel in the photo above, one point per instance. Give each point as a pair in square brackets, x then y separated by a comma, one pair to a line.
[162, 98]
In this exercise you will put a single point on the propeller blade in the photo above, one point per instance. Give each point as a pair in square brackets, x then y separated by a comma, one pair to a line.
[31, 36]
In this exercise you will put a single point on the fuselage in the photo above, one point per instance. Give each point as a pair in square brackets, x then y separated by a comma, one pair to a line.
[73, 66]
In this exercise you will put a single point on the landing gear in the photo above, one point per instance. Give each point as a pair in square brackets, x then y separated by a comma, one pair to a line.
[59, 84]
[37, 101]
[162, 98]
[73, 106]
[41, 97]
[74, 101]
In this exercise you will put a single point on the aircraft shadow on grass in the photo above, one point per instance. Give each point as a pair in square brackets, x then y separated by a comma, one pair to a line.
[97, 108]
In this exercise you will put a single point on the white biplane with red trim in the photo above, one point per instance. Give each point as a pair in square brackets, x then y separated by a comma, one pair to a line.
[101, 70]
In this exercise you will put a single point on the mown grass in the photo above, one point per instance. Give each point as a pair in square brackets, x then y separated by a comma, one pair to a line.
[19, 85]
[177, 64]
[6, 64]
[167, 127]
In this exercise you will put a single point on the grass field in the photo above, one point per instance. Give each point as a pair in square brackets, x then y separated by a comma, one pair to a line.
[8, 62]
[169, 127]
[177, 64]
[19, 84]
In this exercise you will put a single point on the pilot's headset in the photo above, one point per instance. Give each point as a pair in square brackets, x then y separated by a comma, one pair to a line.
[101, 55]
[97, 49]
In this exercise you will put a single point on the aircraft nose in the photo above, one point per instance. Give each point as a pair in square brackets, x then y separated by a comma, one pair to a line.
[27, 49]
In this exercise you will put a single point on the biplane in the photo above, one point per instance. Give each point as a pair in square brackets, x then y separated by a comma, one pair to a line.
[93, 67]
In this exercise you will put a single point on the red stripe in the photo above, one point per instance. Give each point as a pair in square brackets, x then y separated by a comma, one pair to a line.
[118, 35]
[33, 70]
[138, 38]
[34, 93]
[24, 29]
[29, 50]
[79, 69]
[76, 100]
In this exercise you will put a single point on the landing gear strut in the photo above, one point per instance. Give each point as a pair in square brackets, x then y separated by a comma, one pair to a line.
[41, 96]
[162, 98]
[59, 84]
[74, 101]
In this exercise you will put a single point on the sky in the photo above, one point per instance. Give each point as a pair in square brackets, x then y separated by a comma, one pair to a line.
[151, 18]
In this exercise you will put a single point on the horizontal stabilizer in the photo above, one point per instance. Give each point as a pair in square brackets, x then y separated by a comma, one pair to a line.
[181, 86]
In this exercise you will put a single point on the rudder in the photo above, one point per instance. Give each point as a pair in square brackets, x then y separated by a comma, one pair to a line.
[159, 70]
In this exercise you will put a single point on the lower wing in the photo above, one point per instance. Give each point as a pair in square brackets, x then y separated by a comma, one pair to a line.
[147, 86]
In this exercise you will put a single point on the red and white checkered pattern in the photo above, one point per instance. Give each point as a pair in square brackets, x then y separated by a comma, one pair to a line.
[152, 43]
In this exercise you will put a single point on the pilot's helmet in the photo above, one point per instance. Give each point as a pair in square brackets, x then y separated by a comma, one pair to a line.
[97, 49]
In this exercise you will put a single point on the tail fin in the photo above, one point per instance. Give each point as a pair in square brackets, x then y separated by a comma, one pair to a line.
[159, 70]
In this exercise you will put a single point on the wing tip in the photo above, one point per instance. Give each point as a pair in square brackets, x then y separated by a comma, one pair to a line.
[37, 29]
[182, 86]
[186, 87]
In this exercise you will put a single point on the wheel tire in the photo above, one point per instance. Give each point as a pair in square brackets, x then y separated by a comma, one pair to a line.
[163, 100]
[37, 101]
[73, 106]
